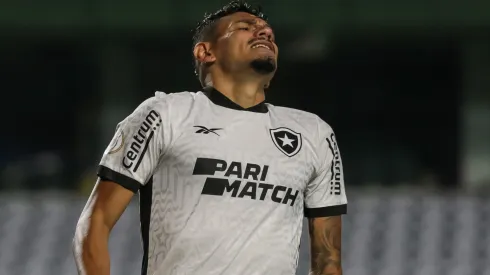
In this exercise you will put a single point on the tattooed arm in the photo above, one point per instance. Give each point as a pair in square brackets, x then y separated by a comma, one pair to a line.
[325, 243]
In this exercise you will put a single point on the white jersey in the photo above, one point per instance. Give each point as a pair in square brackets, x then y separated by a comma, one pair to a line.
[223, 189]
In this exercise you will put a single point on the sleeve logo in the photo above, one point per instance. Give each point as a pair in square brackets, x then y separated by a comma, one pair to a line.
[141, 141]
[335, 167]
[117, 142]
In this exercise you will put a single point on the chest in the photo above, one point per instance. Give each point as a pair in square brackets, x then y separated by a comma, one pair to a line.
[249, 147]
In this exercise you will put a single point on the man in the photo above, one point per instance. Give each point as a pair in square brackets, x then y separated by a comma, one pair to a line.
[224, 179]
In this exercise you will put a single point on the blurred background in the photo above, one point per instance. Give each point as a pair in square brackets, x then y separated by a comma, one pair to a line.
[404, 84]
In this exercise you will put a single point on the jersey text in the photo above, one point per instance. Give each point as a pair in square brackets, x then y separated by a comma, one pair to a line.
[248, 181]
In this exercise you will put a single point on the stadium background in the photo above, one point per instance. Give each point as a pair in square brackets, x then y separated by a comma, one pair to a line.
[405, 85]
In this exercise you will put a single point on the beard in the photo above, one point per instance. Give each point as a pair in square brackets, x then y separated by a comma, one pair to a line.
[264, 65]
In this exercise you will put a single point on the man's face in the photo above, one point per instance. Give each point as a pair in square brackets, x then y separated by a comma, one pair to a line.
[243, 40]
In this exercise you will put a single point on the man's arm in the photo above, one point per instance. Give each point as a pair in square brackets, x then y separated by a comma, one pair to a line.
[325, 244]
[122, 171]
[90, 244]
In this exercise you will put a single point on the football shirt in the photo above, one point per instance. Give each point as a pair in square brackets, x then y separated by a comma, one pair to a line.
[223, 189]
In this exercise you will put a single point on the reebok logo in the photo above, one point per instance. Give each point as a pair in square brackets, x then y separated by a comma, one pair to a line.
[335, 167]
[204, 130]
[248, 181]
[141, 139]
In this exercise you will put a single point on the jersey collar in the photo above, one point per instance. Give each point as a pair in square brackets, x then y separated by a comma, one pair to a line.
[220, 99]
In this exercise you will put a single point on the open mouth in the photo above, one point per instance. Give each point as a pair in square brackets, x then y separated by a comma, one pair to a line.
[265, 45]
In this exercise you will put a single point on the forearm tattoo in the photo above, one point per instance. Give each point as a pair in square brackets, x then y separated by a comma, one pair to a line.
[325, 236]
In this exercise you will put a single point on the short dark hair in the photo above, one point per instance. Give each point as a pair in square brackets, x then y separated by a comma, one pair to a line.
[205, 29]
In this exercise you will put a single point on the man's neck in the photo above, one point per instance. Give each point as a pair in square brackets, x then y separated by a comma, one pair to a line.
[243, 93]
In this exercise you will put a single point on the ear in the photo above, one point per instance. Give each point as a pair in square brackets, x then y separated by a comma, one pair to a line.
[203, 53]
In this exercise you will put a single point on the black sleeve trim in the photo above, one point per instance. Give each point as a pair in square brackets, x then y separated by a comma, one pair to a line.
[106, 173]
[328, 211]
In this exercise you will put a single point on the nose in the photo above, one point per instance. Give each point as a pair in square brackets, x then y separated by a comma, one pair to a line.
[265, 32]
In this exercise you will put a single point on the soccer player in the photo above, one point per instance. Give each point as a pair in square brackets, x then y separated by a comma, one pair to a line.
[224, 179]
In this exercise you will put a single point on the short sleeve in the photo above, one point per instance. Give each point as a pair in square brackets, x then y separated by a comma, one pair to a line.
[135, 150]
[325, 193]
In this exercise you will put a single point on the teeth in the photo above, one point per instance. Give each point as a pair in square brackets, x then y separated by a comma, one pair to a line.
[260, 45]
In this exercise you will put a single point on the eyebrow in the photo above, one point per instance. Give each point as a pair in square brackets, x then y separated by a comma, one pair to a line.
[252, 22]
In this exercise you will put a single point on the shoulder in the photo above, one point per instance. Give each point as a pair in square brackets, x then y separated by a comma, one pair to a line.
[309, 122]
[178, 98]
[184, 97]
[162, 102]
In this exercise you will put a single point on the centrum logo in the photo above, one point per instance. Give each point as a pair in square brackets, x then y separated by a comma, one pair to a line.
[141, 139]
[336, 166]
[248, 181]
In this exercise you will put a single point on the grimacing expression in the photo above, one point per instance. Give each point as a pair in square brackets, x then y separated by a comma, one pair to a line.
[245, 40]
